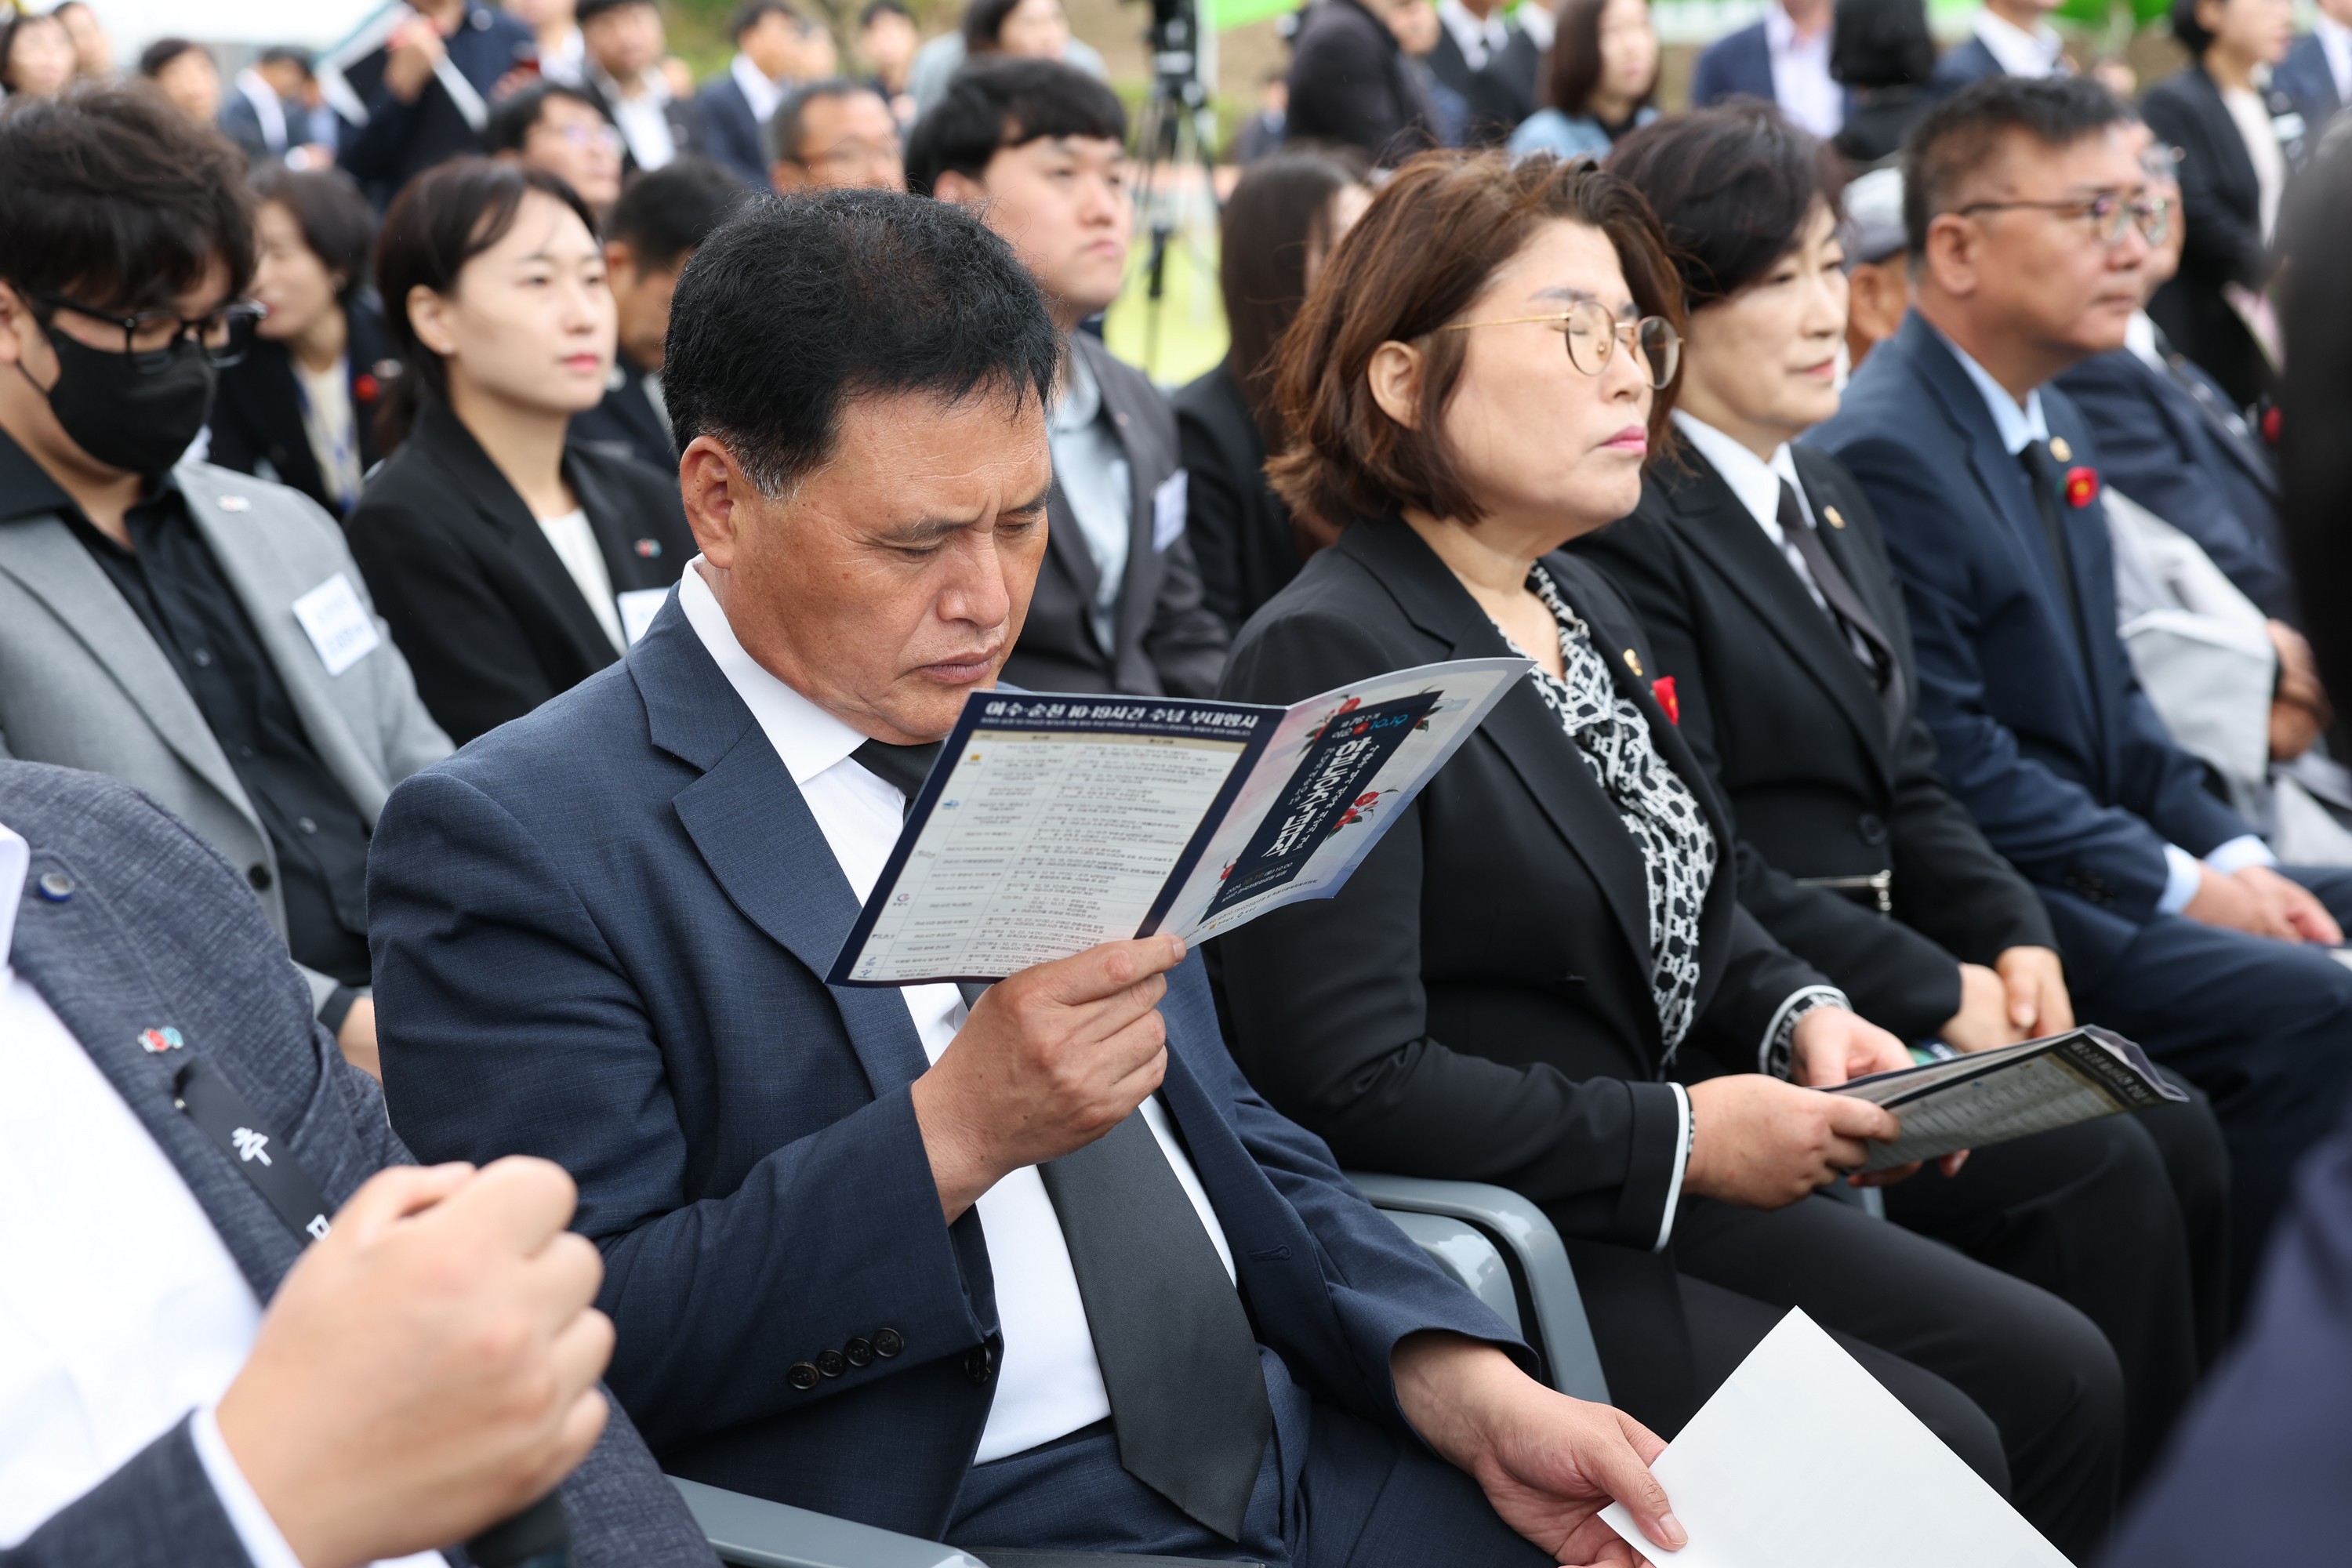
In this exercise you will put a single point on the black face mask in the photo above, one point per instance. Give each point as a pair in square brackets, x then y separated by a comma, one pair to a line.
[137, 420]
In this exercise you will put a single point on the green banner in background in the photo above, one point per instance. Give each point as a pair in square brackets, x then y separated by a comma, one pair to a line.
[1228, 14]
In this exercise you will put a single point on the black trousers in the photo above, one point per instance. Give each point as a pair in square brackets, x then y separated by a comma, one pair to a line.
[2124, 1218]
[2010, 1377]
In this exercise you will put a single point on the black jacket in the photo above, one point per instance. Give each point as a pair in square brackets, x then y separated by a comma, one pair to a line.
[1476, 1002]
[256, 415]
[397, 141]
[1787, 723]
[479, 601]
[1168, 641]
[1239, 529]
[2221, 205]
[1497, 95]
[625, 424]
[730, 132]
[1351, 82]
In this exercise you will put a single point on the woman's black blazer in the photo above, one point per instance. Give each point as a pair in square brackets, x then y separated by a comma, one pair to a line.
[1800, 747]
[257, 413]
[482, 608]
[1239, 529]
[1476, 1001]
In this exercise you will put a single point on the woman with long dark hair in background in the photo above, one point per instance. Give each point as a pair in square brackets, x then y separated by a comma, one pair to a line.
[1280, 223]
[304, 401]
[504, 557]
[1598, 79]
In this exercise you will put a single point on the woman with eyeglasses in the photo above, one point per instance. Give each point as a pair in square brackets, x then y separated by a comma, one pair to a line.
[1541, 977]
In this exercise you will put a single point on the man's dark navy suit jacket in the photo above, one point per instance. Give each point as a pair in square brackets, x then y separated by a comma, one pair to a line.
[601, 934]
[2066, 768]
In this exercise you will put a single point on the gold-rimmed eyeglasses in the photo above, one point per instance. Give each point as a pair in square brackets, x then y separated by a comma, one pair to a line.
[2109, 214]
[1594, 334]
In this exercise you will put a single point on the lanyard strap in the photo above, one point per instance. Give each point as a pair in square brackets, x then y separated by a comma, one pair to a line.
[223, 1115]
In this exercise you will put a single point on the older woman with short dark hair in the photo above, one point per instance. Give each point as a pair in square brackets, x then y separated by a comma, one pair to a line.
[1541, 977]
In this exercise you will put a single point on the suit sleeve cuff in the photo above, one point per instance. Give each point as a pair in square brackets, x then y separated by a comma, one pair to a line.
[1683, 1133]
[2239, 853]
[255, 1529]
[2183, 872]
[1774, 1053]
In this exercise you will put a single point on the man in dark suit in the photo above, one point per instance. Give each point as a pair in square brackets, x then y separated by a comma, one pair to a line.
[2317, 75]
[790, 1181]
[1783, 60]
[621, 43]
[417, 83]
[1351, 83]
[654, 226]
[735, 108]
[203, 1370]
[1490, 63]
[2007, 37]
[2027, 211]
[1036, 148]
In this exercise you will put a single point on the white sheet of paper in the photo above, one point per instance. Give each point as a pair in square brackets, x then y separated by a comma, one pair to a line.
[1801, 1460]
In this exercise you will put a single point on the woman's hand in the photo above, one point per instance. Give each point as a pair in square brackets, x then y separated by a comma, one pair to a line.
[1833, 1046]
[1763, 1144]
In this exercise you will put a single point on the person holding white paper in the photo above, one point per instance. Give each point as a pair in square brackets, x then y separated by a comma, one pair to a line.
[1541, 977]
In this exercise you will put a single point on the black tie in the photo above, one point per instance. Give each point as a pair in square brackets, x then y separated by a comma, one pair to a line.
[1179, 1357]
[2042, 478]
[1846, 607]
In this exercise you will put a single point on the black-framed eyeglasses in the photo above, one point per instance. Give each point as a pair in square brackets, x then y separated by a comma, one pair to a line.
[1594, 334]
[150, 336]
[2109, 214]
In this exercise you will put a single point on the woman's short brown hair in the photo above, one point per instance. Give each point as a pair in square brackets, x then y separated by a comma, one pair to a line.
[1443, 225]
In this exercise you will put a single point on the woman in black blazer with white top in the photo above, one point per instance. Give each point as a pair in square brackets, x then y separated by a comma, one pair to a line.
[510, 564]
[1541, 977]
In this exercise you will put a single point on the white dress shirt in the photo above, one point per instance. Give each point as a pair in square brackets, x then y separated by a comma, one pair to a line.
[2249, 111]
[760, 94]
[643, 120]
[2336, 44]
[1801, 83]
[1477, 39]
[1050, 1384]
[574, 542]
[2018, 425]
[1091, 467]
[120, 1308]
[2032, 55]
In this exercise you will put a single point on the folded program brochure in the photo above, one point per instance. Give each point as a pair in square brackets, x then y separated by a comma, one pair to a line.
[1052, 823]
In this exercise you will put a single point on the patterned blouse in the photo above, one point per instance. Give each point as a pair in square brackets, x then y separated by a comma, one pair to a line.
[1656, 807]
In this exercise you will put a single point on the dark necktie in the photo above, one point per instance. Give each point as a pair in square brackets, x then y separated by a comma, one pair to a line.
[1178, 1355]
[1846, 607]
[2042, 479]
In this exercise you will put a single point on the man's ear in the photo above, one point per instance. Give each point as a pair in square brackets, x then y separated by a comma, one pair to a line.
[961, 189]
[1394, 380]
[711, 486]
[1951, 257]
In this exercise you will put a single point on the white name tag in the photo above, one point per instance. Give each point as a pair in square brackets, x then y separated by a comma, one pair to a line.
[339, 625]
[1168, 509]
[2288, 128]
[638, 608]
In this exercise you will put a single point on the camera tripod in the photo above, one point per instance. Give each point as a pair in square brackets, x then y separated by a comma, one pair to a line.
[1176, 131]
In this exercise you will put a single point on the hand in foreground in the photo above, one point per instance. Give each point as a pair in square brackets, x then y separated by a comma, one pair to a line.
[1051, 1060]
[2035, 979]
[2293, 906]
[429, 1368]
[1986, 1021]
[1833, 1046]
[1547, 1464]
[2259, 901]
[1763, 1144]
[2299, 707]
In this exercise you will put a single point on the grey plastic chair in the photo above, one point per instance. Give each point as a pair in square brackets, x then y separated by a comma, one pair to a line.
[1496, 1242]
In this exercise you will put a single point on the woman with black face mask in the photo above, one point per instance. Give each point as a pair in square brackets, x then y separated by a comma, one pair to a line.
[199, 634]
[511, 561]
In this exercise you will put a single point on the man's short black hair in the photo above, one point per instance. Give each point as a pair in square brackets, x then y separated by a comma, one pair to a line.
[1881, 43]
[1007, 104]
[587, 11]
[1967, 130]
[1733, 186]
[799, 304]
[881, 7]
[513, 118]
[751, 13]
[287, 55]
[113, 196]
[782, 132]
[2191, 34]
[664, 214]
[163, 52]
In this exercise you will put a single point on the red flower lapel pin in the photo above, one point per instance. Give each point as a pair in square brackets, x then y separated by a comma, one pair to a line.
[2082, 486]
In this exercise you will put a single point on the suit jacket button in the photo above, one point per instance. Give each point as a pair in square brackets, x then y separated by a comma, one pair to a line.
[259, 877]
[802, 1375]
[859, 1353]
[979, 1365]
[1872, 827]
[831, 1363]
[889, 1342]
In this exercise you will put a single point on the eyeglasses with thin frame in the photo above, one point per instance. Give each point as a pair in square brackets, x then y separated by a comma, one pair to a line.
[2109, 214]
[1592, 334]
[150, 336]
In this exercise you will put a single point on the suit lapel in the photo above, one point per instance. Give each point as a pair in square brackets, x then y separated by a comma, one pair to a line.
[1738, 551]
[1521, 726]
[51, 564]
[753, 830]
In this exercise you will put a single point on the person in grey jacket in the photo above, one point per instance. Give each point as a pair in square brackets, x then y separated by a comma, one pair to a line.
[201, 633]
[203, 1369]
